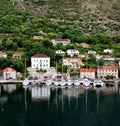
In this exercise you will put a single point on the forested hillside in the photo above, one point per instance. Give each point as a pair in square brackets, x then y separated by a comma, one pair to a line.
[90, 15]
[96, 22]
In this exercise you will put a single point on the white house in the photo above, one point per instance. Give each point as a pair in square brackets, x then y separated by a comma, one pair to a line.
[40, 61]
[9, 73]
[60, 52]
[3, 55]
[108, 58]
[108, 50]
[84, 45]
[98, 56]
[17, 56]
[60, 41]
[38, 37]
[91, 52]
[72, 52]
[103, 71]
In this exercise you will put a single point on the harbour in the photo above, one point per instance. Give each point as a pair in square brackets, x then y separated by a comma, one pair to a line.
[60, 106]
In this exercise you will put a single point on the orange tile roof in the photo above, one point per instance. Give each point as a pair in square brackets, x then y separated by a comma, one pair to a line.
[9, 69]
[109, 67]
[2, 53]
[16, 54]
[87, 70]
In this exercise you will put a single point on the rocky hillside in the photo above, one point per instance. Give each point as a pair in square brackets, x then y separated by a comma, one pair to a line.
[90, 15]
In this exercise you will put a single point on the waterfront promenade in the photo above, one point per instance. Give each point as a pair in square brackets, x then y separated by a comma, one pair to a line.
[43, 82]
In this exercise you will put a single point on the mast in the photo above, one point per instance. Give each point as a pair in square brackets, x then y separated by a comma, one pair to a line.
[25, 69]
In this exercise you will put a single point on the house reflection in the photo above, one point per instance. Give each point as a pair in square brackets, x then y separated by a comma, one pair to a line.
[40, 93]
[9, 88]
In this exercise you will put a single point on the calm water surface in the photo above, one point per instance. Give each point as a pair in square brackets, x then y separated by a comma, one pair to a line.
[56, 106]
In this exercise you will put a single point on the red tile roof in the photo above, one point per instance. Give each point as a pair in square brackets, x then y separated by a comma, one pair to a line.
[60, 39]
[9, 69]
[16, 54]
[87, 70]
[2, 53]
[109, 67]
[40, 56]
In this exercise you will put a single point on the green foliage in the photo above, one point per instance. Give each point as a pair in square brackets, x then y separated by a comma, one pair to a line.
[17, 27]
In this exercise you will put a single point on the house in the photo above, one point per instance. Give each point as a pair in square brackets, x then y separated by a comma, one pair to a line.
[108, 58]
[108, 50]
[60, 41]
[72, 52]
[40, 61]
[98, 56]
[17, 56]
[91, 52]
[9, 73]
[38, 37]
[3, 55]
[87, 72]
[72, 62]
[81, 56]
[103, 71]
[60, 52]
[84, 45]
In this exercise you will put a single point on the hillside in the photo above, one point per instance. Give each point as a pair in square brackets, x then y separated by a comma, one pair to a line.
[90, 15]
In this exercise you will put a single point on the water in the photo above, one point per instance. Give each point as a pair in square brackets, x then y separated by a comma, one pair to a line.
[56, 106]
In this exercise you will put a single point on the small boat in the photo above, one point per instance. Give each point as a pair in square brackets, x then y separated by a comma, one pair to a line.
[33, 82]
[77, 82]
[98, 83]
[86, 82]
[63, 83]
[25, 82]
[48, 82]
[69, 82]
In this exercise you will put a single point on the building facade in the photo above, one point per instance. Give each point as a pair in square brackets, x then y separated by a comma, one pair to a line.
[60, 41]
[17, 56]
[3, 55]
[103, 71]
[72, 52]
[87, 72]
[40, 61]
[72, 62]
[9, 73]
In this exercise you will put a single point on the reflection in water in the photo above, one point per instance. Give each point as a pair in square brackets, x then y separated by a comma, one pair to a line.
[25, 96]
[56, 98]
[10, 88]
[98, 95]
[40, 93]
[67, 106]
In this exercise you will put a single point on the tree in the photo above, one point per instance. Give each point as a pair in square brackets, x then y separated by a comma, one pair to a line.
[47, 43]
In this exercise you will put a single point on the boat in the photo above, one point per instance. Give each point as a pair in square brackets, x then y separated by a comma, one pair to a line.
[58, 80]
[76, 82]
[86, 82]
[48, 82]
[98, 83]
[25, 81]
[69, 82]
[63, 83]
